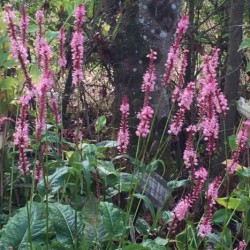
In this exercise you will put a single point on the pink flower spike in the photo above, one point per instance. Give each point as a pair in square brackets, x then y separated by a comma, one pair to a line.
[241, 141]
[62, 58]
[242, 245]
[79, 17]
[24, 22]
[145, 115]
[123, 134]
[181, 209]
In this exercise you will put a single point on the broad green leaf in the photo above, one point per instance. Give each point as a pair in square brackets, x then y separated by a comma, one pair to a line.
[112, 220]
[142, 226]
[100, 123]
[231, 203]
[182, 240]
[51, 35]
[15, 233]
[106, 168]
[54, 181]
[147, 202]
[86, 171]
[167, 216]
[152, 245]
[176, 184]
[126, 182]
[135, 247]
[64, 224]
[245, 44]
[244, 172]
[8, 83]
[94, 230]
[221, 216]
[232, 142]
[35, 73]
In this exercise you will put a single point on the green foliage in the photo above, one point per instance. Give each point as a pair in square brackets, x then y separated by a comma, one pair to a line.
[16, 232]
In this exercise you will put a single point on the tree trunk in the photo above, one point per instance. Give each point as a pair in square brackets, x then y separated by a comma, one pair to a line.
[144, 24]
[234, 60]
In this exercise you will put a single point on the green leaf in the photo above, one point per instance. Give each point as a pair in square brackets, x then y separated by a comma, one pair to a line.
[63, 221]
[94, 230]
[112, 220]
[35, 73]
[221, 216]
[51, 35]
[231, 203]
[15, 233]
[245, 44]
[232, 142]
[54, 181]
[106, 168]
[244, 172]
[142, 226]
[175, 184]
[9, 83]
[147, 202]
[135, 246]
[86, 170]
[107, 144]
[167, 216]
[100, 123]
[152, 245]
[182, 240]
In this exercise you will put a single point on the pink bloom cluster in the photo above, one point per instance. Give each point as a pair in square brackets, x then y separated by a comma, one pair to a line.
[38, 171]
[21, 135]
[62, 58]
[189, 155]
[205, 227]
[184, 103]
[24, 22]
[242, 245]
[43, 87]
[123, 134]
[211, 101]
[77, 45]
[181, 209]
[39, 20]
[18, 48]
[148, 85]
[54, 106]
[181, 74]
[175, 50]
[241, 142]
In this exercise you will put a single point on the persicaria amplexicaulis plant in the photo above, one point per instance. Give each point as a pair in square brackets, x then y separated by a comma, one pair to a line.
[32, 136]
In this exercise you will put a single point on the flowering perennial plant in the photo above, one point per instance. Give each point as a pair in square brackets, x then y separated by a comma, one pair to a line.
[21, 135]
[184, 103]
[241, 142]
[205, 227]
[62, 58]
[148, 85]
[39, 35]
[17, 47]
[211, 101]
[189, 155]
[77, 45]
[182, 207]
[174, 51]
[123, 134]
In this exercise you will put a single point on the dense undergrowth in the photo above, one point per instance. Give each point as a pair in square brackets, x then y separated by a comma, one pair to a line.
[62, 191]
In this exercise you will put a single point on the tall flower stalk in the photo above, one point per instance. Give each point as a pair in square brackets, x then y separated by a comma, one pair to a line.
[148, 85]
[76, 45]
[18, 48]
[123, 134]
[241, 141]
